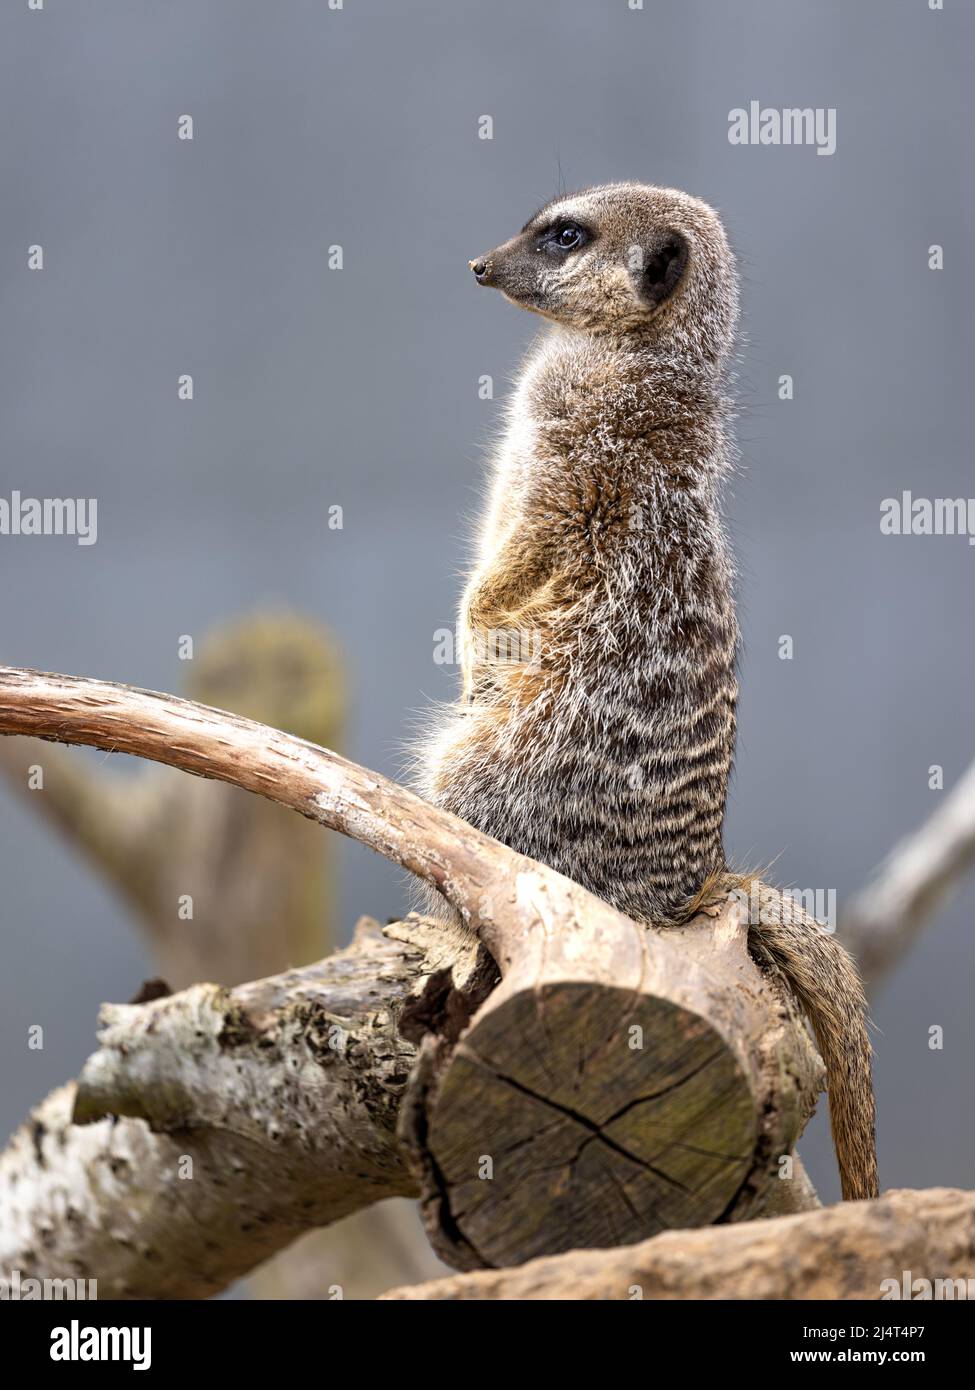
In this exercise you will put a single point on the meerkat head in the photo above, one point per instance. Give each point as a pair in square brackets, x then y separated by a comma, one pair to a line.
[627, 260]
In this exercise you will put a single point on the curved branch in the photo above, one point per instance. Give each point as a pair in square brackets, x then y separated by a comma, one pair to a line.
[473, 872]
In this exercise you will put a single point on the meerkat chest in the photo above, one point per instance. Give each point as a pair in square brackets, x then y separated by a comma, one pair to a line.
[510, 478]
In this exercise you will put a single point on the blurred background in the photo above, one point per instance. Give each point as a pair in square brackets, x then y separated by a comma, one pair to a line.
[357, 388]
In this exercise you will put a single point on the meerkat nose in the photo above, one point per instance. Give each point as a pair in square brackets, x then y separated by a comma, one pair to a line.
[479, 268]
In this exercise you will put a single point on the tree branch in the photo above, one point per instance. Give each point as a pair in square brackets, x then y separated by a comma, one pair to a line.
[473, 872]
[883, 920]
[620, 1079]
[607, 1088]
[214, 1126]
[841, 1252]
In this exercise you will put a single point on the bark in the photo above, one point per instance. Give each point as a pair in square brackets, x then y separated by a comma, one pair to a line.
[619, 1079]
[214, 1126]
[254, 1114]
[262, 882]
[841, 1252]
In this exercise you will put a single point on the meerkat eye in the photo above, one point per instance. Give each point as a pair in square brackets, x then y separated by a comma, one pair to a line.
[562, 237]
[568, 236]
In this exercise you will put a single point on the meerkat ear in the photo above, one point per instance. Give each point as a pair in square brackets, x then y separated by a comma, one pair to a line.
[664, 264]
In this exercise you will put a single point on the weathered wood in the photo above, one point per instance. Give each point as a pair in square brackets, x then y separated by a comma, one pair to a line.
[857, 1250]
[737, 1073]
[262, 882]
[612, 1085]
[216, 1125]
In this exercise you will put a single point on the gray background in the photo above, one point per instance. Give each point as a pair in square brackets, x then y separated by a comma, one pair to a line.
[358, 388]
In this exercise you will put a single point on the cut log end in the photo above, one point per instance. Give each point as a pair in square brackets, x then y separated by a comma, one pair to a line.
[580, 1114]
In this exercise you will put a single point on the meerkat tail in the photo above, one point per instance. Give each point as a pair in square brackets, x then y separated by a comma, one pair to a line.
[825, 980]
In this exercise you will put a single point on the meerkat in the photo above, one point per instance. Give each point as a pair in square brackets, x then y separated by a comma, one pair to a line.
[596, 728]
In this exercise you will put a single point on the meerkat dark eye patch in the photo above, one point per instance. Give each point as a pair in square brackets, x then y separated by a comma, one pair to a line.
[663, 270]
[563, 237]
